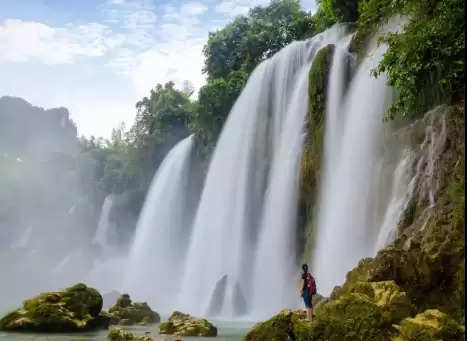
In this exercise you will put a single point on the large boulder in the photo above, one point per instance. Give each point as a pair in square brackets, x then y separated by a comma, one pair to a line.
[285, 326]
[125, 312]
[429, 325]
[74, 309]
[367, 312]
[185, 325]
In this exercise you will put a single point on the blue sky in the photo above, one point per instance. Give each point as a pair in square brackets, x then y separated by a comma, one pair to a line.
[99, 57]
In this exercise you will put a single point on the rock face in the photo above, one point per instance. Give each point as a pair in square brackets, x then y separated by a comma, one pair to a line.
[287, 325]
[367, 312]
[185, 325]
[74, 309]
[313, 148]
[429, 325]
[124, 312]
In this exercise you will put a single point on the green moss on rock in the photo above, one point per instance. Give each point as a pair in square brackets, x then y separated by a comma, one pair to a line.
[287, 325]
[124, 312]
[73, 309]
[312, 153]
[119, 334]
[428, 326]
[185, 325]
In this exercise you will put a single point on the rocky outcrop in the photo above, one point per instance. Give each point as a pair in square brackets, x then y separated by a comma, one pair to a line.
[185, 325]
[76, 308]
[125, 312]
[312, 153]
[119, 334]
[287, 325]
[429, 325]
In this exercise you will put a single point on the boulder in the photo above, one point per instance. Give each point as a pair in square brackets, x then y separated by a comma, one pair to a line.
[185, 325]
[429, 325]
[76, 308]
[367, 312]
[287, 325]
[125, 312]
[119, 334]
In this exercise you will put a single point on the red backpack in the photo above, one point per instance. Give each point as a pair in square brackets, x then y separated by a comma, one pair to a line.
[310, 284]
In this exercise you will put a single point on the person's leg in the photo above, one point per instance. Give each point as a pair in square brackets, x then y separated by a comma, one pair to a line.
[309, 312]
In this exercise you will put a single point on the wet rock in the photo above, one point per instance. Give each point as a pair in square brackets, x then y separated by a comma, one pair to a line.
[429, 325]
[287, 325]
[119, 334]
[76, 308]
[185, 325]
[125, 312]
[217, 298]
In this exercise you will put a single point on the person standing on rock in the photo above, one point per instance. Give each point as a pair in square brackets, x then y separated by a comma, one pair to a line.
[307, 290]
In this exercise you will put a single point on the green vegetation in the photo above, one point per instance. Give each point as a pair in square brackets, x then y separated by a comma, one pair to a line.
[73, 309]
[185, 325]
[425, 62]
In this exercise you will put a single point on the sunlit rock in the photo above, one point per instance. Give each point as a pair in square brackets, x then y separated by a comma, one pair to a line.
[185, 325]
[73, 309]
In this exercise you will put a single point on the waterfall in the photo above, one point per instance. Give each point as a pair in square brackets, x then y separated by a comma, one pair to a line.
[156, 255]
[247, 211]
[355, 205]
[104, 227]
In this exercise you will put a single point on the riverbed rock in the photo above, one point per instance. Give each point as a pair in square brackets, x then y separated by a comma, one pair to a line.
[181, 324]
[119, 334]
[125, 312]
[286, 325]
[77, 308]
[429, 325]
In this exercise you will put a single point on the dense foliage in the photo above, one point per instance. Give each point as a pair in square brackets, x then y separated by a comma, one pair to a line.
[425, 62]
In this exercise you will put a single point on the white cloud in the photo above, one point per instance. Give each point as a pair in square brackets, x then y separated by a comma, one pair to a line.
[193, 9]
[237, 7]
[22, 41]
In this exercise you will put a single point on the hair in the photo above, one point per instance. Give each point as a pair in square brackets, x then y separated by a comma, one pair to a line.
[305, 267]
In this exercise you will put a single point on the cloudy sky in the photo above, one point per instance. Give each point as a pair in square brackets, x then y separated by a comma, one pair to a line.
[98, 57]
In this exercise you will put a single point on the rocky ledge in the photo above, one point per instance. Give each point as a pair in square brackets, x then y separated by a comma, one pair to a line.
[185, 325]
[125, 312]
[77, 308]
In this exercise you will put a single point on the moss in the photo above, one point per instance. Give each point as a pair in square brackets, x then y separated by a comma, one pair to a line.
[76, 308]
[312, 153]
[429, 325]
[185, 325]
[287, 325]
[118, 334]
[365, 313]
[125, 312]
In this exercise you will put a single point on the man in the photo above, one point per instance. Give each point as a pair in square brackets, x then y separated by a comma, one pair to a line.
[307, 290]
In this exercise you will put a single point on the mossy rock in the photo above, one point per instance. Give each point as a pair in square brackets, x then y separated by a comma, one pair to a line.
[125, 312]
[119, 334]
[285, 326]
[181, 324]
[428, 326]
[73, 309]
[366, 313]
[313, 149]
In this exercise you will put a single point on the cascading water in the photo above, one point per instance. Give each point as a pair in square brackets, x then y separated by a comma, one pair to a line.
[104, 227]
[256, 159]
[352, 208]
[158, 250]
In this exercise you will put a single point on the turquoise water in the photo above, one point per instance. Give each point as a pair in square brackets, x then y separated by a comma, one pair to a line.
[227, 331]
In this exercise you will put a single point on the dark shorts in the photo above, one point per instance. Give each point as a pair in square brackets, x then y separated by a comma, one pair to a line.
[307, 299]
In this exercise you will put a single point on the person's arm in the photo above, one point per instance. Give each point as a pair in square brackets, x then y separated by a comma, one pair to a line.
[300, 287]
